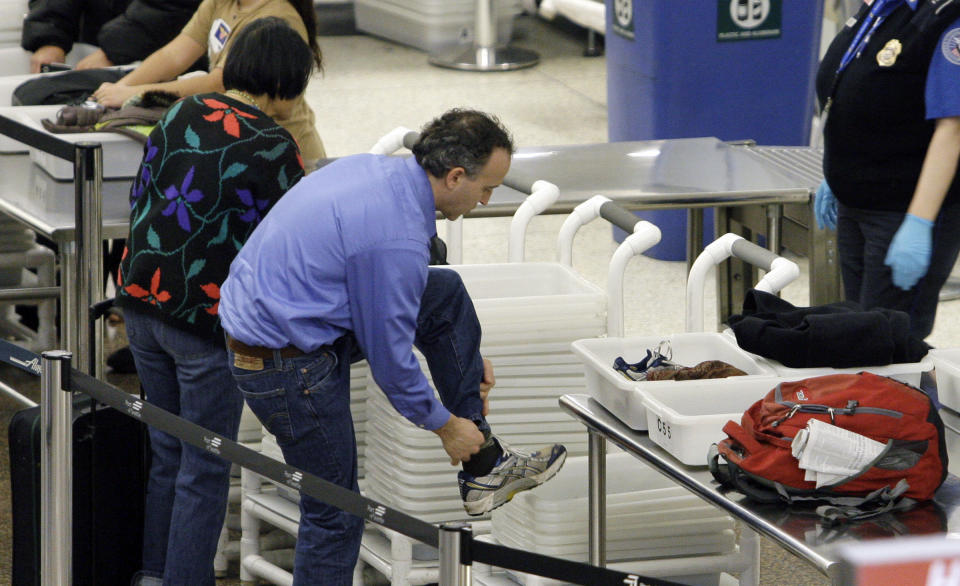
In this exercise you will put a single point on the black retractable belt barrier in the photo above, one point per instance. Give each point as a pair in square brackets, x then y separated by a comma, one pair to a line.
[332, 494]
[556, 568]
[20, 357]
[38, 138]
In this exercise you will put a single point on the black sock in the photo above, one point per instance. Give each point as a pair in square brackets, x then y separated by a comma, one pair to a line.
[481, 463]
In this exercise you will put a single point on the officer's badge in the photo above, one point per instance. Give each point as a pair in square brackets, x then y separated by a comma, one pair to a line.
[887, 56]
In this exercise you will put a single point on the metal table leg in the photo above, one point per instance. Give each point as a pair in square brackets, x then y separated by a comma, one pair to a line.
[597, 497]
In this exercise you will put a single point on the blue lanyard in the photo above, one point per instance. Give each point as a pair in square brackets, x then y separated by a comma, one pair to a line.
[879, 11]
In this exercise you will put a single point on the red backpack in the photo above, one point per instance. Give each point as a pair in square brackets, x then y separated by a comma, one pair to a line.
[756, 457]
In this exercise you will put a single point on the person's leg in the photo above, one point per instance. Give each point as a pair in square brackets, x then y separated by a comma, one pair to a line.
[305, 403]
[448, 335]
[946, 246]
[850, 245]
[209, 398]
[878, 290]
[159, 379]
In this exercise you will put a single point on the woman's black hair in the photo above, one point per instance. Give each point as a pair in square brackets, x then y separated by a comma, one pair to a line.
[308, 15]
[268, 57]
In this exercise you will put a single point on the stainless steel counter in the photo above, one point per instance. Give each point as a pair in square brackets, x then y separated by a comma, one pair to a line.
[46, 205]
[797, 530]
[675, 173]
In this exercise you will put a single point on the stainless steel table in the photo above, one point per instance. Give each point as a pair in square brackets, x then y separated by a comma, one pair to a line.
[675, 173]
[801, 534]
[749, 186]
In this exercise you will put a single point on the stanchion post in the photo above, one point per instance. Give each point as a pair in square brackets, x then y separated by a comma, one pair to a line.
[456, 560]
[56, 472]
[485, 54]
[597, 501]
[88, 210]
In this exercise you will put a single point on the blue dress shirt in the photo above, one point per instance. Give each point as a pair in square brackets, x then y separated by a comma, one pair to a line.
[345, 250]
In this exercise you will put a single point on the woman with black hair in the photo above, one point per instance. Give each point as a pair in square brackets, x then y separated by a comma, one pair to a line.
[212, 168]
[211, 31]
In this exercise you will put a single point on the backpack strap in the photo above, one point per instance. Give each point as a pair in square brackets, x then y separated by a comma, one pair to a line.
[883, 500]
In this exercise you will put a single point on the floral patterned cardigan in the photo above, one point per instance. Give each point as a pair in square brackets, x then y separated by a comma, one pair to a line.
[211, 169]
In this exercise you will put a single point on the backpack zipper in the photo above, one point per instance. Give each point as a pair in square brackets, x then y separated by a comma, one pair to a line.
[853, 407]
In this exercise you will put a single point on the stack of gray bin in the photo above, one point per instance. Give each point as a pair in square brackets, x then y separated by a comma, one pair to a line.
[430, 25]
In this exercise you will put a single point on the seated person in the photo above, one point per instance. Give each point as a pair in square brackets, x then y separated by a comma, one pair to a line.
[124, 31]
[211, 32]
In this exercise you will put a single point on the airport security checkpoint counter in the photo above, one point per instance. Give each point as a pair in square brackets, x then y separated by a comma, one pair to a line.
[678, 173]
[798, 531]
[755, 190]
[34, 198]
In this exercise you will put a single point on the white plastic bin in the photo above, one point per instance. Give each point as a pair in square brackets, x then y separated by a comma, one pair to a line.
[947, 364]
[625, 398]
[121, 154]
[648, 517]
[685, 421]
[907, 372]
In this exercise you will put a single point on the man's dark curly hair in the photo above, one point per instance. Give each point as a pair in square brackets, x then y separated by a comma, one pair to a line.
[460, 138]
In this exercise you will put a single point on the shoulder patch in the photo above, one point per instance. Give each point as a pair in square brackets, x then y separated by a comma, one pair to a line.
[950, 46]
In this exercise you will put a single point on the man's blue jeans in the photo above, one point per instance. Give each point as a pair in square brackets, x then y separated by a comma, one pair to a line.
[305, 402]
[187, 491]
[863, 237]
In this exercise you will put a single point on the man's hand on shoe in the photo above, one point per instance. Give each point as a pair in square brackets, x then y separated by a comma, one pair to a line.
[461, 439]
[486, 384]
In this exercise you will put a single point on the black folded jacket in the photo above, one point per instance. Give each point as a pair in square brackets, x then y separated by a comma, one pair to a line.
[838, 335]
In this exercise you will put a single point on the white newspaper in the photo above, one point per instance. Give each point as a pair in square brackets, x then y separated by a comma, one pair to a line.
[829, 453]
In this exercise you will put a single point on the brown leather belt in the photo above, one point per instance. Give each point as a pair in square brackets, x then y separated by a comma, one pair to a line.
[261, 351]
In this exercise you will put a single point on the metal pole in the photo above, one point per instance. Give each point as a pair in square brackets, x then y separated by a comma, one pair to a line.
[16, 396]
[455, 559]
[694, 235]
[486, 26]
[26, 293]
[591, 49]
[485, 54]
[56, 473]
[597, 501]
[69, 285]
[774, 219]
[88, 175]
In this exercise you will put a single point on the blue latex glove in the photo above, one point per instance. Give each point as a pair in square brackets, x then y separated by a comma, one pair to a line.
[910, 250]
[825, 207]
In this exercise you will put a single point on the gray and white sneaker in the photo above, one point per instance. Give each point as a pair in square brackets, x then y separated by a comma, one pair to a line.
[513, 472]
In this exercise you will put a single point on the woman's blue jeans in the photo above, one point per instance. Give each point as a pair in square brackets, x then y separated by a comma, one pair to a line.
[187, 490]
[863, 237]
[305, 402]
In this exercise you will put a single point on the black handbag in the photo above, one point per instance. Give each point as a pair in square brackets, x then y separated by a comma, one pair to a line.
[69, 87]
